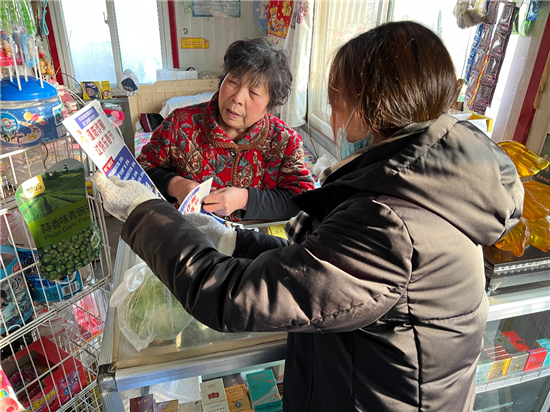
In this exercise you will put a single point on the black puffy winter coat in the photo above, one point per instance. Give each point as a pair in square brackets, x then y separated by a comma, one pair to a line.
[382, 283]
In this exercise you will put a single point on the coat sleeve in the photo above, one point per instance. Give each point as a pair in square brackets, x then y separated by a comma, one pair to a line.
[344, 276]
[251, 244]
[294, 176]
[270, 204]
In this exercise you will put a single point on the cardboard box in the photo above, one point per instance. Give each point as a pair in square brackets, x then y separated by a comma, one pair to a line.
[237, 399]
[263, 390]
[65, 377]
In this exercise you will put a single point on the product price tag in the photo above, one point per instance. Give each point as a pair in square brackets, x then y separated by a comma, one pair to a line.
[512, 381]
[481, 388]
[530, 376]
[544, 372]
[495, 385]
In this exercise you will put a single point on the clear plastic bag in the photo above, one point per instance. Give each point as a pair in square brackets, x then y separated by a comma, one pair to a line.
[470, 13]
[129, 82]
[147, 310]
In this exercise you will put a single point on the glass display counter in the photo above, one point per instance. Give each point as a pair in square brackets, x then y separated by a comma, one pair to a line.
[196, 352]
[174, 369]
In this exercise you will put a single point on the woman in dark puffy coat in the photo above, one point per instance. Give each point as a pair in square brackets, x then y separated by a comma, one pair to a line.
[381, 282]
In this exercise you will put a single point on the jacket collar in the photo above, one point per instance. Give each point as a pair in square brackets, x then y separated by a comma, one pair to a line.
[400, 134]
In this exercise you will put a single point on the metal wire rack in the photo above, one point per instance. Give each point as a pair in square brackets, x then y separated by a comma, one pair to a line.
[49, 346]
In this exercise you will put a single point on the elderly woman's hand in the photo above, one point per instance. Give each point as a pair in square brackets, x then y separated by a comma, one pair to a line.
[225, 201]
[179, 187]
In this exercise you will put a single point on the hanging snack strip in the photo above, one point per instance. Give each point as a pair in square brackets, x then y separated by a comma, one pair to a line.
[478, 53]
[481, 98]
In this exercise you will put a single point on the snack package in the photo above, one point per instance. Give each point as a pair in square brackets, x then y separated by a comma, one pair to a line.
[8, 400]
[55, 206]
[90, 90]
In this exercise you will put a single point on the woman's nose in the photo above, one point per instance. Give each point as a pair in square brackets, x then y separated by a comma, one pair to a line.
[238, 97]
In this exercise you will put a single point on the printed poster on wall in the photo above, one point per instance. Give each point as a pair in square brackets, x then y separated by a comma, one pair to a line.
[278, 20]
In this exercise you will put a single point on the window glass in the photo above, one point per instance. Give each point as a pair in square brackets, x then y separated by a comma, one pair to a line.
[89, 40]
[139, 37]
[337, 21]
[438, 16]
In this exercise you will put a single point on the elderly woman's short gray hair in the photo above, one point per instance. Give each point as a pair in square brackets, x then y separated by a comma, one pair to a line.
[264, 62]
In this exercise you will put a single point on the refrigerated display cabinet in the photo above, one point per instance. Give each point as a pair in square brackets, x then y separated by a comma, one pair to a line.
[174, 369]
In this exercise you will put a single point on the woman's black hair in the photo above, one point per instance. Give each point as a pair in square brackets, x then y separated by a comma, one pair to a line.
[263, 62]
[393, 75]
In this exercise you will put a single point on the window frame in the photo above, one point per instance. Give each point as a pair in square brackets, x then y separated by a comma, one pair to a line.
[63, 49]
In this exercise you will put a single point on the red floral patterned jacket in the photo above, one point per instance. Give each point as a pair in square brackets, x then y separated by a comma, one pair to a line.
[191, 143]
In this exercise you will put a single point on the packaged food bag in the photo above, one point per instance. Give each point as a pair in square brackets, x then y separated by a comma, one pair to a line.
[147, 310]
[55, 207]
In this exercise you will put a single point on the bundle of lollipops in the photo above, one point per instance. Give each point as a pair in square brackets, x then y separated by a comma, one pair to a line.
[534, 226]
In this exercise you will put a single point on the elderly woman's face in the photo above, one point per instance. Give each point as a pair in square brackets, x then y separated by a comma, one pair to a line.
[241, 104]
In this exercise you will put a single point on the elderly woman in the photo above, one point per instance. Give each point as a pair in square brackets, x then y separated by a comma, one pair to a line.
[381, 282]
[255, 159]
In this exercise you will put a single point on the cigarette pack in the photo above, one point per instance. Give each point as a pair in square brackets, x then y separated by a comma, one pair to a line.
[536, 359]
[168, 406]
[544, 343]
[501, 361]
[143, 403]
[263, 390]
[484, 365]
[237, 399]
[213, 397]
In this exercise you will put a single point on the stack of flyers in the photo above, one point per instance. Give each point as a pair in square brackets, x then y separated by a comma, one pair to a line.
[93, 131]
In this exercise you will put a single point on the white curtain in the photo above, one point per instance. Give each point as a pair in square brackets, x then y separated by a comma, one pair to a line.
[297, 43]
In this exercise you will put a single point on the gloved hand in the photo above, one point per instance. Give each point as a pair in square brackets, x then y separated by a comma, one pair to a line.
[120, 197]
[223, 238]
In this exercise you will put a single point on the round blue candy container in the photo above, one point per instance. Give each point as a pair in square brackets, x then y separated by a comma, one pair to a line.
[30, 115]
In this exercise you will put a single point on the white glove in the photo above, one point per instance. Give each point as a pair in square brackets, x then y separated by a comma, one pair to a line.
[121, 197]
[223, 238]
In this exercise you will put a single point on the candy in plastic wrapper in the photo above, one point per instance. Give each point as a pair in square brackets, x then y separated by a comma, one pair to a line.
[486, 37]
[498, 46]
[532, 10]
[472, 85]
[490, 73]
[492, 11]
[478, 62]
[507, 17]
[473, 51]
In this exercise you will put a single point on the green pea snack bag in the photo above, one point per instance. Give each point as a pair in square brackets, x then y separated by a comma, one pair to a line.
[55, 207]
